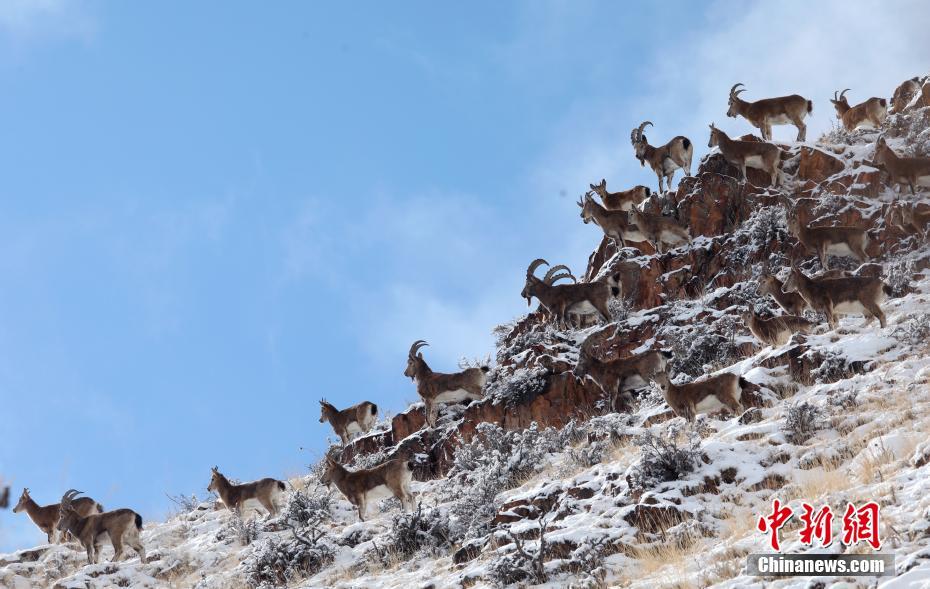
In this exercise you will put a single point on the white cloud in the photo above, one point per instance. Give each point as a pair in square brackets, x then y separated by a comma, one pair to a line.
[31, 20]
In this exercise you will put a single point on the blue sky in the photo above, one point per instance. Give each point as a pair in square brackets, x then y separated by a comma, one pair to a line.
[213, 214]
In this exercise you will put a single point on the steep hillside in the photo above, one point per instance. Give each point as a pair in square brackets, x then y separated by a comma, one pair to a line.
[551, 481]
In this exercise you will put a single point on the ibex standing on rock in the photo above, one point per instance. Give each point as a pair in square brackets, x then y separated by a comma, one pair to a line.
[622, 374]
[265, 491]
[615, 224]
[620, 201]
[370, 484]
[46, 517]
[661, 231]
[354, 421]
[663, 160]
[121, 525]
[776, 331]
[754, 154]
[871, 113]
[561, 300]
[838, 241]
[912, 171]
[705, 395]
[853, 294]
[762, 114]
[437, 388]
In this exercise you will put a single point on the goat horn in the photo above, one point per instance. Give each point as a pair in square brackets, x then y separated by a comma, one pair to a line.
[535, 264]
[553, 270]
[844, 92]
[416, 346]
[553, 279]
[735, 86]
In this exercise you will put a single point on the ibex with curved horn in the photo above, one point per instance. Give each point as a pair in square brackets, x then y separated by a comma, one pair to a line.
[123, 526]
[354, 421]
[754, 154]
[912, 171]
[266, 491]
[562, 300]
[762, 114]
[46, 516]
[623, 200]
[871, 113]
[663, 160]
[436, 388]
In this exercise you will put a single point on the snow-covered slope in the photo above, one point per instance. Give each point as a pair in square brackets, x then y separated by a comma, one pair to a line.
[635, 497]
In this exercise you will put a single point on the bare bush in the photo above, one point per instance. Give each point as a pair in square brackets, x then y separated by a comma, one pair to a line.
[663, 460]
[801, 422]
[277, 562]
[418, 532]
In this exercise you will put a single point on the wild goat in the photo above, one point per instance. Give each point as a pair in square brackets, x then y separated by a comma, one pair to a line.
[762, 114]
[909, 219]
[705, 395]
[838, 241]
[620, 201]
[121, 525]
[904, 93]
[560, 300]
[776, 331]
[660, 230]
[370, 484]
[622, 374]
[852, 294]
[871, 113]
[46, 517]
[354, 421]
[615, 224]
[437, 388]
[912, 171]
[265, 491]
[663, 160]
[791, 302]
[754, 154]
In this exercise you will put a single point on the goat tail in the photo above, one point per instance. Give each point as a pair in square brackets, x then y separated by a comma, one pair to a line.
[810, 106]
[743, 383]
[886, 288]
[485, 368]
[138, 522]
[374, 409]
[883, 102]
[614, 284]
[686, 142]
[100, 508]
[282, 486]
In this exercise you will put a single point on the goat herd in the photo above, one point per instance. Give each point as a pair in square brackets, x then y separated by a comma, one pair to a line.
[621, 220]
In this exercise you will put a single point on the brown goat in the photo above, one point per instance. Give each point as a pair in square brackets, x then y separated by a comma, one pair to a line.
[46, 516]
[912, 171]
[704, 395]
[623, 200]
[660, 231]
[791, 302]
[438, 388]
[562, 300]
[754, 154]
[665, 159]
[615, 224]
[838, 241]
[120, 525]
[621, 374]
[776, 331]
[852, 294]
[265, 491]
[762, 114]
[871, 113]
[354, 421]
[370, 484]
